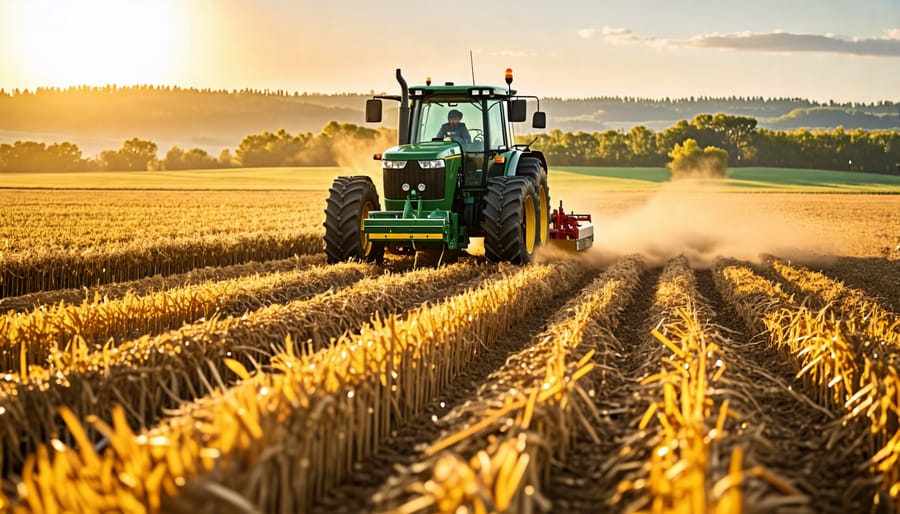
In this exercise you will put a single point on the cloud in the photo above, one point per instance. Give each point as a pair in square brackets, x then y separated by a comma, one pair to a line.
[614, 35]
[887, 45]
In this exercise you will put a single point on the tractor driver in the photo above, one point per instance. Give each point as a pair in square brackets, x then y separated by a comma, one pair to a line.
[454, 129]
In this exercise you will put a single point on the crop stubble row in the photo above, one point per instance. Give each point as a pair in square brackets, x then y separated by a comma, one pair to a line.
[154, 373]
[337, 403]
[777, 489]
[52, 335]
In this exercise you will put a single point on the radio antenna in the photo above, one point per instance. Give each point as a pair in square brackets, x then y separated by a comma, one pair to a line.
[472, 64]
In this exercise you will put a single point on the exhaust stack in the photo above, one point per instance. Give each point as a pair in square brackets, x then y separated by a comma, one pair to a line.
[403, 128]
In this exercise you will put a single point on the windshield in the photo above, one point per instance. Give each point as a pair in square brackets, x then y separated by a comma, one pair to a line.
[450, 121]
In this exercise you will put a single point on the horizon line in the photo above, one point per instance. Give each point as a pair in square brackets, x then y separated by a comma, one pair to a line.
[285, 92]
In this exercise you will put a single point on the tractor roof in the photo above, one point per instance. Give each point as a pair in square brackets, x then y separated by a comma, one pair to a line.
[454, 90]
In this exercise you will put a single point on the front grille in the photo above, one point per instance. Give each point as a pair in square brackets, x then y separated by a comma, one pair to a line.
[413, 175]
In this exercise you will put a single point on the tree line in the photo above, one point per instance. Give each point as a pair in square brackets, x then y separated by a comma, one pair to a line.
[783, 103]
[745, 143]
[226, 115]
[266, 149]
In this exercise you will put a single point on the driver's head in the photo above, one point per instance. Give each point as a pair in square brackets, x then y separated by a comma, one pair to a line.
[454, 116]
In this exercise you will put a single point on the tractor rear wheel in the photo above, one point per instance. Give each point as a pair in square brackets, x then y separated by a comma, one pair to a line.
[532, 168]
[350, 199]
[510, 220]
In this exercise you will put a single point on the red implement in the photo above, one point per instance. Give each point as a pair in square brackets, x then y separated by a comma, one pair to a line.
[573, 232]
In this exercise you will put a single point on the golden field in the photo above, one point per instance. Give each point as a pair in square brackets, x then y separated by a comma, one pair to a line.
[169, 351]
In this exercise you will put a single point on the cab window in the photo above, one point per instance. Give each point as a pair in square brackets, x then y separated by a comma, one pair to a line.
[433, 115]
[495, 119]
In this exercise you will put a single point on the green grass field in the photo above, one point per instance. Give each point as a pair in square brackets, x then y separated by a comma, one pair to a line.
[782, 180]
[582, 179]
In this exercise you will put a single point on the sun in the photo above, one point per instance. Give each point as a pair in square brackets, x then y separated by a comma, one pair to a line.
[97, 42]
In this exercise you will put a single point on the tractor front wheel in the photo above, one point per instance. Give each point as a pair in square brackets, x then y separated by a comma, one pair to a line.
[510, 220]
[350, 199]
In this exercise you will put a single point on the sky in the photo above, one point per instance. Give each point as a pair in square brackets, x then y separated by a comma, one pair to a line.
[816, 49]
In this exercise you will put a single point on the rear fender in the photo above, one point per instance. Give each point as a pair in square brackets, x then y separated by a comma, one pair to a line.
[512, 161]
[508, 168]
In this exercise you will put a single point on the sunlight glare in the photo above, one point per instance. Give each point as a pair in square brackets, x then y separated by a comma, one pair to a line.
[101, 42]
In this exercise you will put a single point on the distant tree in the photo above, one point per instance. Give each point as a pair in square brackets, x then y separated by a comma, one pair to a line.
[641, 143]
[35, 156]
[199, 159]
[253, 151]
[64, 156]
[689, 161]
[135, 155]
[193, 159]
[674, 135]
[225, 159]
[174, 159]
[271, 149]
[139, 153]
[613, 149]
[111, 160]
[733, 133]
[24, 156]
[5, 152]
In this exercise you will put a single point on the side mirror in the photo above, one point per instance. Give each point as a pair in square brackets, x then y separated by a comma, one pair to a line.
[517, 111]
[540, 120]
[373, 110]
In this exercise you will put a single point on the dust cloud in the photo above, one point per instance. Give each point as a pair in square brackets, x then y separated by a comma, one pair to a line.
[354, 155]
[709, 168]
[686, 217]
[682, 218]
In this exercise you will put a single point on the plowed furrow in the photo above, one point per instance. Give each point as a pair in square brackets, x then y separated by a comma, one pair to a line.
[878, 277]
[779, 430]
[826, 295]
[525, 414]
[404, 447]
[583, 483]
[785, 431]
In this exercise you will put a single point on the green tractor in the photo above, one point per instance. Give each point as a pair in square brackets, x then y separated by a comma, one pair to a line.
[455, 174]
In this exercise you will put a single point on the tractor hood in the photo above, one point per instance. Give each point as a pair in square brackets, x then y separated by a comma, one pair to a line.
[422, 151]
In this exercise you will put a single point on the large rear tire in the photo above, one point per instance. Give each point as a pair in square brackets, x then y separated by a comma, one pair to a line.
[350, 199]
[533, 169]
[510, 220]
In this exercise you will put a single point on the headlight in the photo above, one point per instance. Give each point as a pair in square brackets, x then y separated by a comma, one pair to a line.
[430, 165]
[393, 165]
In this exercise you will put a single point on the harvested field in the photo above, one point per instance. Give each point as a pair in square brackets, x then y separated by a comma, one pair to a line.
[646, 375]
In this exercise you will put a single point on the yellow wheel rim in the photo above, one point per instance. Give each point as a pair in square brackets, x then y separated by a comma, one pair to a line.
[530, 220]
[544, 211]
[363, 240]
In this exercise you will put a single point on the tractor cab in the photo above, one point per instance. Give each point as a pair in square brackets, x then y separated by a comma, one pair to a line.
[478, 124]
[485, 128]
